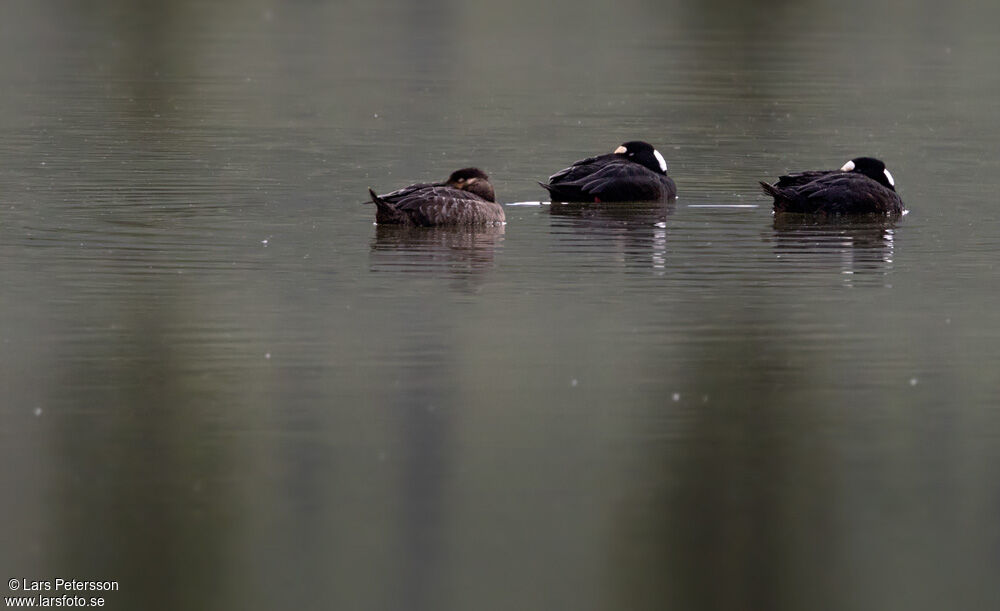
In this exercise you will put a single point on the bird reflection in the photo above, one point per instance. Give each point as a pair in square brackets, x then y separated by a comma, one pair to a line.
[637, 230]
[862, 245]
[460, 251]
[614, 214]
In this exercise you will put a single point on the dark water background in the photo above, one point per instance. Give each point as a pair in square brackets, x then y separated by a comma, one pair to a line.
[225, 388]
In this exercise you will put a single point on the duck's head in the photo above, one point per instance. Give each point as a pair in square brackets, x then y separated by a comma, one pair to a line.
[472, 180]
[644, 154]
[872, 168]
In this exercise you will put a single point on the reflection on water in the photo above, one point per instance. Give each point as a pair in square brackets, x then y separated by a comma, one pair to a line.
[636, 232]
[863, 245]
[455, 250]
[630, 214]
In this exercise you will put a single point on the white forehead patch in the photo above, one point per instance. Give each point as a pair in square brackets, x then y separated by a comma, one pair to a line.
[847, 167]
[621, 150]
[892, 182]
[663, 162]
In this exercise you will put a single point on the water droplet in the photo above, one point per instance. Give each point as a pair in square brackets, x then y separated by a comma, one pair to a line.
[913, 381]
[676, 396]
[574, 382]
[38, 412]
[267, 355]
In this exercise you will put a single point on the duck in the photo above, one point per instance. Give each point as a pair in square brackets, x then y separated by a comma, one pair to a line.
[466, 198]
[862, 186]
[635, 171]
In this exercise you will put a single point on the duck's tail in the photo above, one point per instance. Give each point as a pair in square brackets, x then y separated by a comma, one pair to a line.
[556, 192]
[385, 212]
[770, 189]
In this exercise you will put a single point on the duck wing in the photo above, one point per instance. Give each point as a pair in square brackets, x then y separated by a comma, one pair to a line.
[582, 168]
[398, 195]
[625, 181]
[801, 178]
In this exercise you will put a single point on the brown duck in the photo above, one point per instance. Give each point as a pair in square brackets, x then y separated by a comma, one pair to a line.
[466, 198]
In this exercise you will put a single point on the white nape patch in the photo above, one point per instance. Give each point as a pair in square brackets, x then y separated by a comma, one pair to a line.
[847, 167]
[621, 150]
[892, 182]
[663, 162]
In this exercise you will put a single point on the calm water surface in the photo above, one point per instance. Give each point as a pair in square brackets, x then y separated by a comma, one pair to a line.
[224, 387]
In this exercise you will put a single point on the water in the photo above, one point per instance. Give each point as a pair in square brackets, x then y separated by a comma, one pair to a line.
[225, 388]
